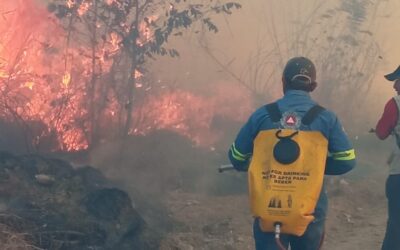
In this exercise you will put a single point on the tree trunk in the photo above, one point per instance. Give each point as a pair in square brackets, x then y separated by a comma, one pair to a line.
[93, 127]
[132, 74]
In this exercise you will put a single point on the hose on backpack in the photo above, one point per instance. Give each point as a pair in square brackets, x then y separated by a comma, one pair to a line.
[277, 236]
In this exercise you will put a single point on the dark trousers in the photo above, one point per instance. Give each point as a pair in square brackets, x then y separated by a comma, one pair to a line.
[311, 239]
[392, 236]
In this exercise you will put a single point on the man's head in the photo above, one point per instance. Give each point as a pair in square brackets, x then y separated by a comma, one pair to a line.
[299, 74]
[395, 77]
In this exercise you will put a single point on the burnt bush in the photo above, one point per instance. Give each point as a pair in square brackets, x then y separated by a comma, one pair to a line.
[60, 207]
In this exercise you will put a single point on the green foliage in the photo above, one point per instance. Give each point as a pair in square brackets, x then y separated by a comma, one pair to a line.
[124, 17]
[126, 33]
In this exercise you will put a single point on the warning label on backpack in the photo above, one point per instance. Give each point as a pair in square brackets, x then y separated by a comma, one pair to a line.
[287, 193]
[284, 177]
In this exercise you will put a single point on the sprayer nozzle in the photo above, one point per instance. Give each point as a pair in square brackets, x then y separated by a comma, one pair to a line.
[278, 226]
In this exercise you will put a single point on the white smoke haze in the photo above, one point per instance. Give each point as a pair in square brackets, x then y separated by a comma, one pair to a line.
[351, 42]
[199, 100]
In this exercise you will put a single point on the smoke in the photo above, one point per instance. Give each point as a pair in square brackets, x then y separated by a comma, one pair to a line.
[346, 40]
[197, 103]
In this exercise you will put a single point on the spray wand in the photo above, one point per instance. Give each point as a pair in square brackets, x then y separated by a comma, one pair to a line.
[226, 167]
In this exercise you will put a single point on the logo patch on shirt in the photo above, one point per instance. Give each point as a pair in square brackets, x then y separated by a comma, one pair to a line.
[290, 120]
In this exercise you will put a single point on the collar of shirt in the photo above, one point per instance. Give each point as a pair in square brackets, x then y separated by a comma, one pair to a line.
[296, 100]
[294, 92]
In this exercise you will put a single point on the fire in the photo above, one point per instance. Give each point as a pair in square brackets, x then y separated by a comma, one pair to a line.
[84, 7]
[111, 48]
[66, 79]
[192, 115]
[31, 60]
[46, 80]
[115, 40]
[146, 33]
[109, 2]
[70, 3]
[29, 85]
[3, 74]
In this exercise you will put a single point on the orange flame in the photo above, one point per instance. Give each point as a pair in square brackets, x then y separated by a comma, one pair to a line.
[29, 85]
[30, 60]
[109, 2]
[66, 79]
[84, 7]
[48, 83]
[192, 115]
[70, 3]
[145, 31]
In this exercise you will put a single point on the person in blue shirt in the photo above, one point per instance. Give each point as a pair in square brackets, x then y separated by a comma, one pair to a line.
[298, 80]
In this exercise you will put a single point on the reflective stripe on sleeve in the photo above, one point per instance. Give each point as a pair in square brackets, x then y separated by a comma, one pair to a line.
[237, 155]
[345, 155]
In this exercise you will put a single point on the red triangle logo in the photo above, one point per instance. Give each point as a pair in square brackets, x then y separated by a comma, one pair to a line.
[291, 120]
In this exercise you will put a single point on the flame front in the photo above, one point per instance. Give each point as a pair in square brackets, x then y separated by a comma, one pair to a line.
[33, 81]
[192, 115]
[42, 80]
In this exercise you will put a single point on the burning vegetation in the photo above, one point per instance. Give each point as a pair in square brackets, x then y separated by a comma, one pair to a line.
[75, 73]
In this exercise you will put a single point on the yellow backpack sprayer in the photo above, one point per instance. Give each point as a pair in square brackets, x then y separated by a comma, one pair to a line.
[285, 177]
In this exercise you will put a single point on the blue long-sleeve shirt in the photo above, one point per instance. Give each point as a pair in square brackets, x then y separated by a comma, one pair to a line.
[341, 153]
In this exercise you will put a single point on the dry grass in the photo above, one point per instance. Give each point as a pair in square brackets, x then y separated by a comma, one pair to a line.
[11, 240]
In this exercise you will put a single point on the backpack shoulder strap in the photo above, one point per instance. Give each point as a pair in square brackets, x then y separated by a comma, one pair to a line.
[311, 114]
[274, 112]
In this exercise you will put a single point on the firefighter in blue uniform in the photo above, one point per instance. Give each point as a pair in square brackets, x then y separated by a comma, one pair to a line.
[299, 79]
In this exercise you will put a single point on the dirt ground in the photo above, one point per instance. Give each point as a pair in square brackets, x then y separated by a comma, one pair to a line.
[355, 221]
[199, 209]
